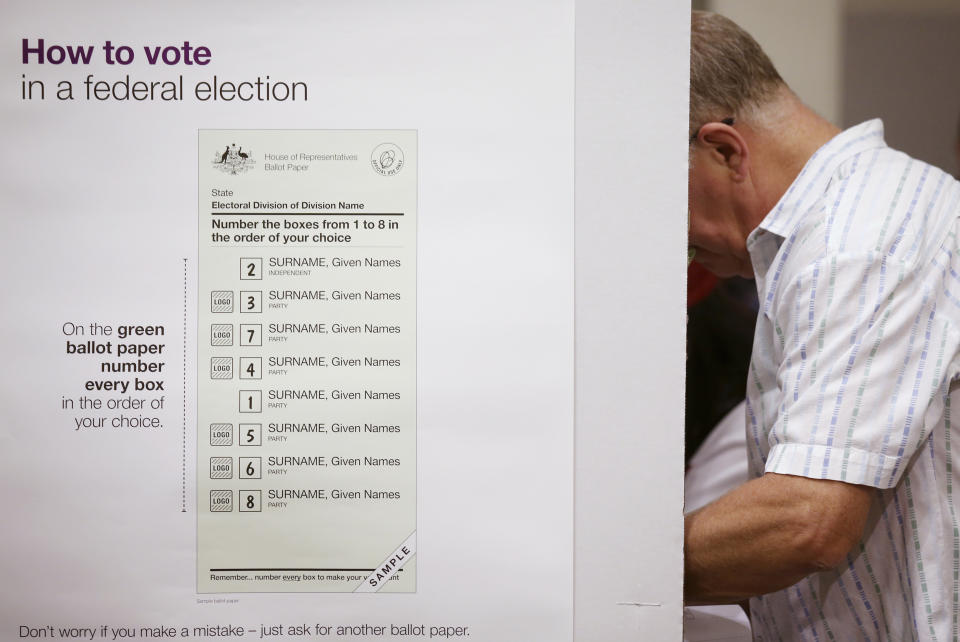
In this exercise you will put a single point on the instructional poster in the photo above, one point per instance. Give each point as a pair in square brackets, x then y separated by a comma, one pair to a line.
[289, 323]
[307, 387]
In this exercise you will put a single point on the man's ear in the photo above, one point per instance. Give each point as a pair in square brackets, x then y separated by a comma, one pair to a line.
[726, 145]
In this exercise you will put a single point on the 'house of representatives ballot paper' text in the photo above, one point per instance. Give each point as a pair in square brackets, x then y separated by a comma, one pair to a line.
[307, 361]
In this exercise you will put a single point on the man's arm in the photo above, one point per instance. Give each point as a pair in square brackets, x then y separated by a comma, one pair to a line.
[768, 534]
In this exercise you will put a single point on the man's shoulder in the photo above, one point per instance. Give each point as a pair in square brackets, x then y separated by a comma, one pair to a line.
[881, 217]
[878, 206]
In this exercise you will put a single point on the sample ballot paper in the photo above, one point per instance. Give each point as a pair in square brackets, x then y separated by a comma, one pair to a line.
[307, 382]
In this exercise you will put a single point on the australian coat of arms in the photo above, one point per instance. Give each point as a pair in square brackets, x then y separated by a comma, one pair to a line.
[233, 160]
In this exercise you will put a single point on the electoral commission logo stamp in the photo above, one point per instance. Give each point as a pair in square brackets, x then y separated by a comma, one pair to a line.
[386, 159]
[233, 160]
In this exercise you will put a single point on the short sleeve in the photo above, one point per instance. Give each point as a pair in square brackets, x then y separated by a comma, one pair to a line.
[865, 352]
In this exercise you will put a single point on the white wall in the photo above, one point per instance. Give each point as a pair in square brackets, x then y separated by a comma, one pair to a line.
[903, 65]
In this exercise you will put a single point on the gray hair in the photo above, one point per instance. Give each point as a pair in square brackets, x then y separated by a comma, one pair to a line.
[730, 75]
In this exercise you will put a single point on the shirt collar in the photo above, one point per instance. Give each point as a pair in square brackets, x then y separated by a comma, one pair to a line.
[813, 180]
[816, 175]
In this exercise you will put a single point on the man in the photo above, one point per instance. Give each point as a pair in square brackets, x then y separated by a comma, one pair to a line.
[848, 529]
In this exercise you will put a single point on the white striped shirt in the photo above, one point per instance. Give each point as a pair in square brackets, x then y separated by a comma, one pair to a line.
[856, 346]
